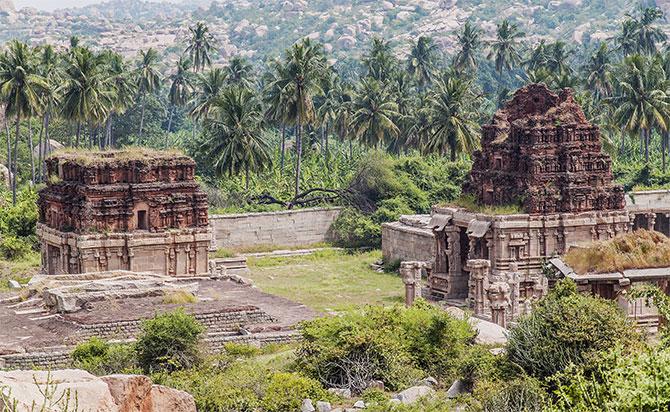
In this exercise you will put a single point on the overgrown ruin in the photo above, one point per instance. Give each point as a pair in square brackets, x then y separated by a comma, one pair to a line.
[135, 210]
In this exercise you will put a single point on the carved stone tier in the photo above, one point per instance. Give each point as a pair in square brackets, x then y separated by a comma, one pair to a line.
[541, 152]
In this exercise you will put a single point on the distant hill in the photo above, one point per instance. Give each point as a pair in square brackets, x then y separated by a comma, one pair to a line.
[256, 28]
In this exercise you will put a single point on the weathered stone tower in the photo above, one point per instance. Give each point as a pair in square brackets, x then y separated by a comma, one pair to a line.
[136, 210]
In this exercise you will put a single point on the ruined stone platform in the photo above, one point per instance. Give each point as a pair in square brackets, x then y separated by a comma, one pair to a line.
[35, 333]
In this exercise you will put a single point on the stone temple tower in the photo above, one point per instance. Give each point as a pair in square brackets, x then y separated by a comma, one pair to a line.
[136, 210]
[541, 152]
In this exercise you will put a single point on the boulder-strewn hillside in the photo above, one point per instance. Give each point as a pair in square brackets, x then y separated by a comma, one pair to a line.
[255, 28]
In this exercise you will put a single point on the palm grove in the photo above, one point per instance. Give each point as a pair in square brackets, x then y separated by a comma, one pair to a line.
[248, 118]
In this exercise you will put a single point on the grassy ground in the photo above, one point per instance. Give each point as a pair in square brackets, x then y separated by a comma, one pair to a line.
[225, 253]
[327, 281]
[21, 270]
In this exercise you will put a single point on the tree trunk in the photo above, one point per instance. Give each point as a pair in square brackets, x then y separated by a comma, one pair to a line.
[298, 147]
[664, 144]
[40, 151]
[647, 135]
[16, 156]
[169, 128]
[9, 153]
[246, 177]
[32, 148]
[47, 143]
[452, 152]
[144, 101]
[76, 143]
[623, 142]
[325, 142]
[283, 148]
[108, 132]
[351, 148]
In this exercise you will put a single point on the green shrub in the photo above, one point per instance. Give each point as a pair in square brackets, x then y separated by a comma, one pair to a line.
[169, 342]
[353, 229]
[622, 382]
[102, 358]
[395, 345]
[519, 395]
[286, 392]
[390, 210]
[13, 248]
[567, 328]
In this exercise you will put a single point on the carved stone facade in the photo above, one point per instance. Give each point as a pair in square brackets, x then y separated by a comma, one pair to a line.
[123, 210]
[541, 152]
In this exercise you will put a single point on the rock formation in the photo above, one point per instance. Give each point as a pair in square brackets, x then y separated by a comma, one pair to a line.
[114, 393]
[540, 151]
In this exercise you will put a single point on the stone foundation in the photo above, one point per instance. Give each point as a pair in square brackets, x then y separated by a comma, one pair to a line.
[409, 239]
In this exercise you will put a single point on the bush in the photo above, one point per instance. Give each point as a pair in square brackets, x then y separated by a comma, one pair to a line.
[101, 358]
[567, 328]
[623, 382]
[286, 392]
[13, 248]
[169, 342]
[519, 395]
[353, 229]
[394, 345]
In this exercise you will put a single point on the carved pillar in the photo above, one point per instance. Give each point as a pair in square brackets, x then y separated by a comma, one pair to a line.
[651, 220]
[479, 273]
[499, 297]
[454, 251]
[513, 278]
[411, 277]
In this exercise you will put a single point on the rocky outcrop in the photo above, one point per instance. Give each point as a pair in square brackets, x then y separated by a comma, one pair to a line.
[114, 393]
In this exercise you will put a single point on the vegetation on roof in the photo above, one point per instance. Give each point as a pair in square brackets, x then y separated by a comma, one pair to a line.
[637, 250]
[470, 203]
[90, 157]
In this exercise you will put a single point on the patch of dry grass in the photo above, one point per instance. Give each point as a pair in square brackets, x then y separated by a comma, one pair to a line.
[636, 250]
[470, 203]
[179, 297]
[128, 154]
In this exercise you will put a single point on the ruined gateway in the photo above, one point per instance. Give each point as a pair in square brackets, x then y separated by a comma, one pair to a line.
[133, 210]
[542, 155]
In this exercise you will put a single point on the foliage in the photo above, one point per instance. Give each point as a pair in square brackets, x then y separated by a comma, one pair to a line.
[567, 328]
[394, 345]
[639, 249]
[470, 203]
[17, 224]
[286, 391]
[353, 229]
[179, 297]
[102, 358]
[169, 342]
[623, 382]
[519, 395]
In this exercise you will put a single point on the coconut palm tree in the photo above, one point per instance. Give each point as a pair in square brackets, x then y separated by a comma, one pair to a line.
[234, 139]
[642, 103]
[469, 43]
[200, 46]
[181, 88]
[124, 88]
[275, 97]
[451, 126]
[20, 87]
[209, 86]
[598, 72]
[505, 48]
[148, 79]
[374, 114]
[239, 72]
[648, 33]
[421, 61]
[304, 67]
[50, 68]
[537, 58]
[327, 111]
[557, 58]
[379, 61]
[628, 40]
[87, 95]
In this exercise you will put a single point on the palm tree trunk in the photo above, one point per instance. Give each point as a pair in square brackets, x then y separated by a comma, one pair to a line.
[452, 152]
[351, 148]
[283, 148]
[246, 177]
[16, 156]
[76, 143]
[622, 149]
[40, 151]
[47, 143]
[298, 146]
[9, 152]
[144, 100]
[169, 128]
[647, 135]
[31, 147]
[664, 144]
[325, 141]
[108, 132]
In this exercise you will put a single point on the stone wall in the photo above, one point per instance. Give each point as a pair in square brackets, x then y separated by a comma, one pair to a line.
[408, 239]
[285, 228]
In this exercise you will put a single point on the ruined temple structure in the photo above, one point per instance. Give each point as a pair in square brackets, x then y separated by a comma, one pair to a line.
[135, 210]
[540, 153]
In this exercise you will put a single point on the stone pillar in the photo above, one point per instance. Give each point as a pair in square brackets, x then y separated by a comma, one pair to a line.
[498, 295]
[479, 274]
[513, 279]
[651, 220]
[411, 277]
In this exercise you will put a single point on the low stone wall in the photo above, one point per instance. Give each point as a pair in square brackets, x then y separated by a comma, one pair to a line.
[45, 360]
[648, 201]
[214, 322]
[408, 239]
[285, 228]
